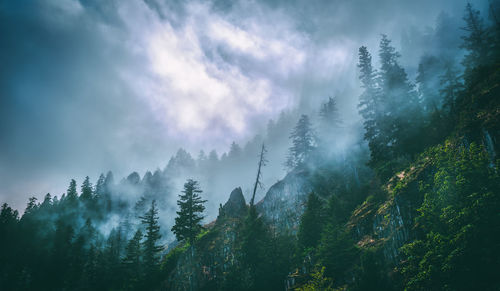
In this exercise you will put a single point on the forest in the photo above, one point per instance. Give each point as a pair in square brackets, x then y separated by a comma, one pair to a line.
[413, 204]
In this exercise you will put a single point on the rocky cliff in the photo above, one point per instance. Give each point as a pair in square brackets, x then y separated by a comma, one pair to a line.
[284, 202]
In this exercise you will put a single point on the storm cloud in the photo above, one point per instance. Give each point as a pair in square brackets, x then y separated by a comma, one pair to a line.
[90, 86]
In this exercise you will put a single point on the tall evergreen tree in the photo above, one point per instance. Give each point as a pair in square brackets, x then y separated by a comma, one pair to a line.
[86, 191]
[311, 223]
[303, 143]
[475, 40]
[72, 194]
[132, 261]
[329, 123]
[428, 69]
[369, 103]
[451, 86]
[152, 236]
[329, 112]
[189, 217]
[100, 187]
[255, 242]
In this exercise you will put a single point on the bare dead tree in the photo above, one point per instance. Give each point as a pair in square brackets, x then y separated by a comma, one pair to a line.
[258, 183]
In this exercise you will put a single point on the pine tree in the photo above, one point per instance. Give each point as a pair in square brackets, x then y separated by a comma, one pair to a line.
[399, 118]
[47, 201]
[86, 190]
[369, 102]
[451, 86]
[100, 187]
[152, 235]
[303, 143]
[311, 223]
[428, 69]
[234, 151]
[329, 123]
[329, 112]
[72, 194]
[132, 261]
[475, 41]
[254, 244]
[189, 217]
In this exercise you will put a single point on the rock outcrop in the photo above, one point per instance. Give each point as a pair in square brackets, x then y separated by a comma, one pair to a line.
[205, 264]
[284, 202]
[235, 206]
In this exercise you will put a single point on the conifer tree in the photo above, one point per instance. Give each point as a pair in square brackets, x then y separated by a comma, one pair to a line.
[152, 237]
[72, 194]
[303, 143]
[255, 241]
[132, 260]
[99, 186]
[86, 191]
[450, 88]
[329, 123]
[329, 112]
[189, 217]
[476, 39]
[369, 101]
[311, 223]
[428, 69]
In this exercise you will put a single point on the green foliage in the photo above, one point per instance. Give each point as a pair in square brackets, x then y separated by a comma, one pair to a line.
[460, 223]
[336, 251]
[318, 282]
[303, 143]
[152, 236]
[311, 223]
[371, 273]
[188, 220]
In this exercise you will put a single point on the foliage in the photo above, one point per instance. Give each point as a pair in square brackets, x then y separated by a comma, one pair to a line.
[318, 282]
[188, 222]
[303, 143]
[460, 223]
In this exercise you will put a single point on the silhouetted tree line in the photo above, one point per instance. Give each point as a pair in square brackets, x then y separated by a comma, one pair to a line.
[446, 123]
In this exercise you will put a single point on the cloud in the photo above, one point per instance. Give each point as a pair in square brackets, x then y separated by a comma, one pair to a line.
[89, 86]
[192, 79]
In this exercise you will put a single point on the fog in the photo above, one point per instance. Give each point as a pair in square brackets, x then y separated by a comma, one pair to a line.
[91, 86]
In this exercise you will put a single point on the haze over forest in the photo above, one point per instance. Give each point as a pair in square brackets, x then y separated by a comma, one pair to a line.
[249, 145]
[89, 87]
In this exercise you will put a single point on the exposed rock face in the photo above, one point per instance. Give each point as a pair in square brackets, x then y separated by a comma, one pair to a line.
[236, 205]
[391, 224]
[206, 264]
[285, 201]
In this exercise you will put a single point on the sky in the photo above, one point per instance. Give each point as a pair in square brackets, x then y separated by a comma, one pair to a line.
[90, 86]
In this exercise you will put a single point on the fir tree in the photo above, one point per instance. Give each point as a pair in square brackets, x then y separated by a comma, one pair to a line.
[86, 190]
[329, 112]
[369, 102]
[152, 237]
[311, 223]
[132, 261]
[189, 217]
[476, 39]
[329, 123]
[451, 86]
[303, 143]
[72, 194]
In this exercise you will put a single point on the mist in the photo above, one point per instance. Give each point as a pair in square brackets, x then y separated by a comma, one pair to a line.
[90, 87]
